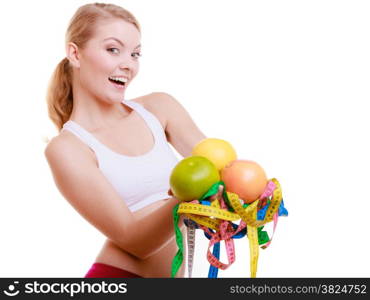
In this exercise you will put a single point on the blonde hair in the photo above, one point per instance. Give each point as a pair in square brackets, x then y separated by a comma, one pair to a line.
[59, 95]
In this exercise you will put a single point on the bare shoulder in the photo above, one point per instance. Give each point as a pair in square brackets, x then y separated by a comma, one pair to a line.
[181, 130]
[160, 104]
[66, 144]
[159, 100]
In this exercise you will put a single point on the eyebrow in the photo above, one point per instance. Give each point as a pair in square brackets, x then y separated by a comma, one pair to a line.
[118, 41]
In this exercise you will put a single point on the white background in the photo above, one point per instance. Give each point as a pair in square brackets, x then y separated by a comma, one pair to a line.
[285, 82]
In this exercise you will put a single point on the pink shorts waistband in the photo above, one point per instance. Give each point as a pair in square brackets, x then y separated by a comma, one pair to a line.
[100, 270]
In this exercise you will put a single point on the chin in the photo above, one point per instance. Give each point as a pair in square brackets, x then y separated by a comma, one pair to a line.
[115, 99]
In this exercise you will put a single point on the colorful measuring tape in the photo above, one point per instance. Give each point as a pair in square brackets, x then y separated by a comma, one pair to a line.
[214, 214]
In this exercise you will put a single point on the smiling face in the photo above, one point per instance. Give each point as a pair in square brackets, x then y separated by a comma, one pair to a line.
[110, 60]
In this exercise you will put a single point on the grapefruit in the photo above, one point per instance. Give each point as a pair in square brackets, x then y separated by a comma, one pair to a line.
[245, 178]
[192, 177]
[219, 152]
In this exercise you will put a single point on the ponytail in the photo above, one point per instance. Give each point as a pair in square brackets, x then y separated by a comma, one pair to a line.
[59, 96]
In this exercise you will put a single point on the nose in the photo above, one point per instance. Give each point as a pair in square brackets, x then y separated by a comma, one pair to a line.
[127, 64]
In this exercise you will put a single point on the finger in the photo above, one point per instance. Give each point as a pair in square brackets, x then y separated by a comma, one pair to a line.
[218, 195]
[220, 189]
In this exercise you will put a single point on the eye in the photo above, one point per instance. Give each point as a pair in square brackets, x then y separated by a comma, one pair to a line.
[136, 54]
[110, 50]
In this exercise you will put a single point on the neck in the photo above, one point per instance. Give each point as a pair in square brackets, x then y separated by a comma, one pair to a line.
[96, 114]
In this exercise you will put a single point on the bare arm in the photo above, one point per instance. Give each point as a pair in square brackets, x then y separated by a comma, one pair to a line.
[84, 186]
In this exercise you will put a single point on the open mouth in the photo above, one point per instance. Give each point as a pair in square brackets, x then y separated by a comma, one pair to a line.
[118, 82]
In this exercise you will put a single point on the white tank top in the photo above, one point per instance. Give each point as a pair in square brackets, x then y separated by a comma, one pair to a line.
[139, 180]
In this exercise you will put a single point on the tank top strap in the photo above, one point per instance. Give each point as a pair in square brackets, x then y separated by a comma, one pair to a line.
[149, 118]
[82, 133]
[89, 139]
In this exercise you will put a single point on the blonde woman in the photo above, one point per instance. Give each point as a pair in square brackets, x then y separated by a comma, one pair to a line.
[111, 159]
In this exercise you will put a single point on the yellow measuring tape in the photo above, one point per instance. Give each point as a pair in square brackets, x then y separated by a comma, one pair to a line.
[247, 214]
[210, 223]
[211, 216]
[209, 211]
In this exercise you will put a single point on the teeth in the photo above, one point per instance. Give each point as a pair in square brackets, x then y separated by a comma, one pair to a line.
[120, 79]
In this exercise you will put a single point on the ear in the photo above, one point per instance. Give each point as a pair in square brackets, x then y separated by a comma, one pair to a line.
[73, 55]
